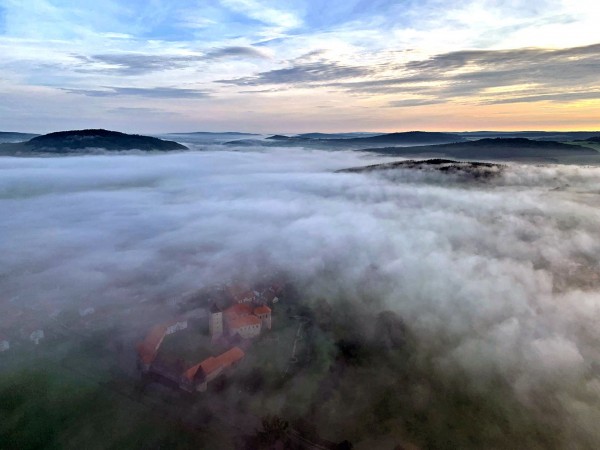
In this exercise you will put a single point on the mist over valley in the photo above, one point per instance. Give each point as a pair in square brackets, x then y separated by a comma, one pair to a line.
[428, 299]
[299, 225]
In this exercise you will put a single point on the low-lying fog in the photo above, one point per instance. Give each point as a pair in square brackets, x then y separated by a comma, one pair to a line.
[497, 279]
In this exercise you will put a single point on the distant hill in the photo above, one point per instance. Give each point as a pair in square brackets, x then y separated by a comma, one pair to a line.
[78, 141]
[558, 136]
[247, 143]
[11, 137]
[336, 135]
[593, 140]
[217, 133]
[280, 137]
[408, 138]
[517, 149]
[471, 169]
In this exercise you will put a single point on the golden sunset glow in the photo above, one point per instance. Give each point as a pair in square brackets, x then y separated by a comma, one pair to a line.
[270, 66]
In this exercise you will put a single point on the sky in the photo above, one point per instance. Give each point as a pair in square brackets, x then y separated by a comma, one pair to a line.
[285, 66]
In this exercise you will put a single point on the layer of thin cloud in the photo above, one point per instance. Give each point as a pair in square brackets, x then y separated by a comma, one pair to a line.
[471, 76]
[156, 92]
[383, 52]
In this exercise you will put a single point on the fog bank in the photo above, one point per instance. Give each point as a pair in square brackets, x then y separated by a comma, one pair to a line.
[496, 279]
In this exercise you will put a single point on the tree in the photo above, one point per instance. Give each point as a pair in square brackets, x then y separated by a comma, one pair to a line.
[273, 433]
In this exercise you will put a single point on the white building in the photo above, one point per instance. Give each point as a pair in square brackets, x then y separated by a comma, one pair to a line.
[215, 322]
[177, 326]
[264, 314]
[247, 327]
[36, 336]
[4, 345]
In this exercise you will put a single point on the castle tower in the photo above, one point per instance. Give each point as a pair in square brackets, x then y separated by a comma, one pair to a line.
[215, 322]
[264, 314]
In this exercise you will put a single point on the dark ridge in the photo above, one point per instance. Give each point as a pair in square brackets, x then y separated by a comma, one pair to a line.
[12, 137]
[352, 135]
[560, 136]
[518, 142]
[404, 138]
[592, 139]
[216, 133]
[519, 149]
[67, 141]
[420, 137]
[16, 133]
[279, 137]
[245, 143]
[473, 169]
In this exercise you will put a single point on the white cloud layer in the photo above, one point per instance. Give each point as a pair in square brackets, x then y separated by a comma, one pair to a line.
[496, 279]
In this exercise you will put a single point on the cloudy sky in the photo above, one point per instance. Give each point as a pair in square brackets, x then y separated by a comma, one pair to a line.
[303, 65]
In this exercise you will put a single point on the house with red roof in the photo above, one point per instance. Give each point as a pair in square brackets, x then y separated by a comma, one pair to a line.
[263, 312]
[197, 377]
[148, 349]
[243, 319]
[247, 327]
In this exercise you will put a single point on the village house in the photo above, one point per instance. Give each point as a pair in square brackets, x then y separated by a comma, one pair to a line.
[263, 312]
[197, 377]
[247, 317]
[247, 327]
[270, 294]
[242, 319]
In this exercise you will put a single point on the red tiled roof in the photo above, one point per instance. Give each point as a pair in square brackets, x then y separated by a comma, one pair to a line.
[239, 322]
[238, 310]
[212, 364]
[191, 372]
[262, 310]
[147, 349]
[208, 366]
[231, 356]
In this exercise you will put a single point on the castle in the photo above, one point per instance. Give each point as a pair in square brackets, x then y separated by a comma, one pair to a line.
[247, 317]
